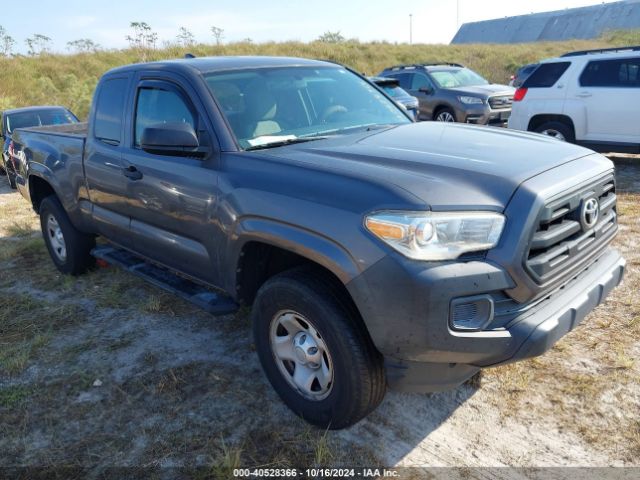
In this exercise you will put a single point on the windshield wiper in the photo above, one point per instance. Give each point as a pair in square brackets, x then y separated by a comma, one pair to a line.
[285, 141]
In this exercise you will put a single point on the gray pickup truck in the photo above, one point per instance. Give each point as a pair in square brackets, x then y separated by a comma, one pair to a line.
[374, 251]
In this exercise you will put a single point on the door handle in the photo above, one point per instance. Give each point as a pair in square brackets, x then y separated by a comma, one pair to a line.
[585, 95]
[132, 173]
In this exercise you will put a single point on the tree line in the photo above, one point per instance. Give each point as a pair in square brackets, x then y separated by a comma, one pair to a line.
[142, 37]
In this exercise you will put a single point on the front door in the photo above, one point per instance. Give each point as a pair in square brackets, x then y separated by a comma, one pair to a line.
[172, 198]
[423, 89]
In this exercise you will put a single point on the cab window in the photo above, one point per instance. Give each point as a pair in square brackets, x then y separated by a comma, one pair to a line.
[155, 106]
[109, 108]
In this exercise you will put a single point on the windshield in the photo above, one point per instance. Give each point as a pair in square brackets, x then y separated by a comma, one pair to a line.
[39, 118]
[462, 77]
[268, 105]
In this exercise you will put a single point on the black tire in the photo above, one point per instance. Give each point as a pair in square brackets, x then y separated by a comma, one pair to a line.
[359, 381]
[566, 131]
[444, 112]
[78, 245]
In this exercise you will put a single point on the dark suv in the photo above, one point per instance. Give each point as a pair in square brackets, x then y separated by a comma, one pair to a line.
[452, 93]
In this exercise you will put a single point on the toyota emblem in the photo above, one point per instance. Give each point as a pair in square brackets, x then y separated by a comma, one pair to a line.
[590, 213]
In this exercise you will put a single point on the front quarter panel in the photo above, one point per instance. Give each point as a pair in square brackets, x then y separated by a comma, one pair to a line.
[314, 213]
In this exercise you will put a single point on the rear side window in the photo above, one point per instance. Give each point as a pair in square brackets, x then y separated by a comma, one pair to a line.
[623, 72]
[546, 75]
[404, 79]
[157, 106]
[109, 111]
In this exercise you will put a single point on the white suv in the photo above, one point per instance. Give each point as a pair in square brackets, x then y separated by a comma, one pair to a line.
[591, 98]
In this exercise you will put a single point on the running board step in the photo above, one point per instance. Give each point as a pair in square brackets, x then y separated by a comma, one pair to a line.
[212, 302]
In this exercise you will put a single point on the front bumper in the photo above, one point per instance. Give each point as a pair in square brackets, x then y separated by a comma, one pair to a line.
[409, 324]
[484, 115]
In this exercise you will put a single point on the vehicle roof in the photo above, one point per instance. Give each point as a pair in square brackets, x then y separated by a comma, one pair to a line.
[426, 66]
[213, 64]
[588, 56]
[34, 108]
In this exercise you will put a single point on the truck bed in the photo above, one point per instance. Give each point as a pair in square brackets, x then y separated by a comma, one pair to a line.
[67, 130]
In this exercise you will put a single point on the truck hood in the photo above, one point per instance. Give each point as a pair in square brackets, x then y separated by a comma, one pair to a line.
[484, 90]
[446, 166]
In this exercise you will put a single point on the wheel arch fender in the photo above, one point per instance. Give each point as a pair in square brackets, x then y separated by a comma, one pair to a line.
[540, 119]
[38, 176]
[442, 106]
[312, 246]
[42, 182]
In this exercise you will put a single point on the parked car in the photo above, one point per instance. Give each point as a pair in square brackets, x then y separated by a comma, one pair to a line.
[453, 93]
[373, 250]
[391, 86]
[522, 74]
[588, 97]
[27, 117]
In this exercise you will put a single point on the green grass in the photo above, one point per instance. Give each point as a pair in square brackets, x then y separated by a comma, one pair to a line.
[70, 79]
[14, 396]
[27, 325]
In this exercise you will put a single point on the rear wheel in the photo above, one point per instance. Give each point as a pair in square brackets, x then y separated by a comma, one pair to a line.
[558, 130]
[445, 115]
[315, 351]
[69, 248]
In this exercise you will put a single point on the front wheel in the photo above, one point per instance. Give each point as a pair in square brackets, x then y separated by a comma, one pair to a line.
[315, 351]
[445, 115]
[69, 248]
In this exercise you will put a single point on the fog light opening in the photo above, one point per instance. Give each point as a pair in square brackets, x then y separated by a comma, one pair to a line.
[471, 313]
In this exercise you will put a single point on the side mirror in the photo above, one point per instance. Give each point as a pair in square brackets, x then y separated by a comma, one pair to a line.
[427, 90]
[175, 139]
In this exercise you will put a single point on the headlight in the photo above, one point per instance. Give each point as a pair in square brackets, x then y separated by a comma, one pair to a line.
[471, 100]
[437, 235]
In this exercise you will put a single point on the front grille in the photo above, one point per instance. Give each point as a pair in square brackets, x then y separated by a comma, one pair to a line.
[563, 236]
[501, 102]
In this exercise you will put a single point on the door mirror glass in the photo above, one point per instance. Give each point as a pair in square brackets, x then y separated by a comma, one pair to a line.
[177, 139]
[427, 90]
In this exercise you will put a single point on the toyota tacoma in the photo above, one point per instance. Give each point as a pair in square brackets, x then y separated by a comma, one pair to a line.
[375, 251]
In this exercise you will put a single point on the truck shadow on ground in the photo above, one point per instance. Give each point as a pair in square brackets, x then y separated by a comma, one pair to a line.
[627, 172]
[405, 422]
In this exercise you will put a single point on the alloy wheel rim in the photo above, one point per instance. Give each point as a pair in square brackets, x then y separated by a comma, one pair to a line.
[550, 132]
[445, 117]
[302, 355]
[56, 238]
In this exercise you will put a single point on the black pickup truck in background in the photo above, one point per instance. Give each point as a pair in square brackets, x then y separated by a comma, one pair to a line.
[27, 117]
[374, 251]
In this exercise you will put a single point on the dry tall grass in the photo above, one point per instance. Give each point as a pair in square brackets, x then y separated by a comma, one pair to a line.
[70, 79]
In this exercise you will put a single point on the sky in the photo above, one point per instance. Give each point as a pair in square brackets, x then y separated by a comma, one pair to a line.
[107, 22]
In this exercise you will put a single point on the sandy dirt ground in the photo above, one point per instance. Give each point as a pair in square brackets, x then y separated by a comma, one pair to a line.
[104, 370]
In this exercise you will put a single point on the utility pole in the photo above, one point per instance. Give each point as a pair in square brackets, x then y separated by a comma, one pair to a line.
[410, 28]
